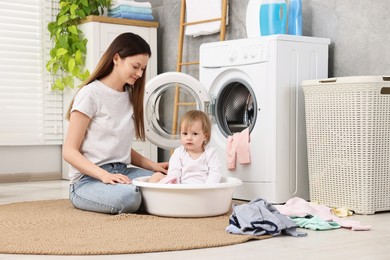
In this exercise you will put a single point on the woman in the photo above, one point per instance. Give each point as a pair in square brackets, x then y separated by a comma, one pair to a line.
[105, 115]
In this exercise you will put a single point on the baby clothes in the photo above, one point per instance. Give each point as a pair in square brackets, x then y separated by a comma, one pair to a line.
[184, 169]
[238, 147]
[315, 223]
[297, 207]
[170, 179]
[259, 217]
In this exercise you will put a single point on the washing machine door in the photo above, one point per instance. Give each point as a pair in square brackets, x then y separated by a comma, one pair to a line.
[161, 115]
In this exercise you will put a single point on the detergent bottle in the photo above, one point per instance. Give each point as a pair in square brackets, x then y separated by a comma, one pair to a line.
[266, 17]
[273, 17]
[253, 18]
[294, 20]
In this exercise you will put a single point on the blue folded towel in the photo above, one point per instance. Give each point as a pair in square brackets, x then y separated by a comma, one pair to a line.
[133, 16]
[131, 9]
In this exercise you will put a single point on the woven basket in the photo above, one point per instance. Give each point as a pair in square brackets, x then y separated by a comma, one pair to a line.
[348, 142]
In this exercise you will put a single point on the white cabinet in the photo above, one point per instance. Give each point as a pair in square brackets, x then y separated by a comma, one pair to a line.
[100, 32]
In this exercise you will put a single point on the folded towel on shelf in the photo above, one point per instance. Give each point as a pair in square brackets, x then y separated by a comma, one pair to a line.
[197, 10]
[132, 16]
[130, 9]
[116, 3]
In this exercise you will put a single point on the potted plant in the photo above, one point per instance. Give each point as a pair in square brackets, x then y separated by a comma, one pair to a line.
[67, 57]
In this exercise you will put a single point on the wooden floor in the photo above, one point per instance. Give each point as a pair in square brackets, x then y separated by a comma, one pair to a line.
[330, 245]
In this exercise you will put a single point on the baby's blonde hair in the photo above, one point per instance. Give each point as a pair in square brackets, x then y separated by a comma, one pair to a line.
[192, 116]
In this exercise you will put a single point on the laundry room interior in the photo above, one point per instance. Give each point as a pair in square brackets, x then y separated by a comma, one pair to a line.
[299, 121]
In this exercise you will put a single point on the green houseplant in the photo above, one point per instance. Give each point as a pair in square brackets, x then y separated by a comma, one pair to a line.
[67, 57]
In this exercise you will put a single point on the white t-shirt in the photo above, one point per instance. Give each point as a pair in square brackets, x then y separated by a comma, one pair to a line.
[110, 134]
[205, 169]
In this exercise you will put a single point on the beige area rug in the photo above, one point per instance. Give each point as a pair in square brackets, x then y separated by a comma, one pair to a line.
[55, 227]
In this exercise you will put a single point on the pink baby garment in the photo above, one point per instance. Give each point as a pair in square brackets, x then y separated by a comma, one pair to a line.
[169, 179]
[297, 207]
[238, 148]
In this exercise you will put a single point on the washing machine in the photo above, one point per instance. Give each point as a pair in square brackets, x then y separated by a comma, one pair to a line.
[250, 83]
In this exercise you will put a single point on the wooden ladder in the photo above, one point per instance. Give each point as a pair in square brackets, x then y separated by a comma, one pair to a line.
[180, 63]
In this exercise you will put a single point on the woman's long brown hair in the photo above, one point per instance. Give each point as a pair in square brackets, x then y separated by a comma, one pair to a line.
[126, 44]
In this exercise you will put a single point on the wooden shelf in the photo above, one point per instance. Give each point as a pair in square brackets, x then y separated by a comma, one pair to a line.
[124, 21]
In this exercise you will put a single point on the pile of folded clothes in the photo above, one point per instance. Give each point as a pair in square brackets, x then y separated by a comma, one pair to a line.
[130, 9]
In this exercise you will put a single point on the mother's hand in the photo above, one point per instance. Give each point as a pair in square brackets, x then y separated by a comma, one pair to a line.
[161, 167]
[111, 178]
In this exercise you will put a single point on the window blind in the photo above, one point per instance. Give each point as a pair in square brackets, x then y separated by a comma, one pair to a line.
[30, 113]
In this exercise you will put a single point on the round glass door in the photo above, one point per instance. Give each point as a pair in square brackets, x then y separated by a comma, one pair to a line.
[167, 97]
[235, 109]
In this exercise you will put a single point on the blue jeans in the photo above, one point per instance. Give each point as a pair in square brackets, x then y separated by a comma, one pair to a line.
[93, 195]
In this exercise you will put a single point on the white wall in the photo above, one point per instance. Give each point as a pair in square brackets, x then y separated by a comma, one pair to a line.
[30, 162]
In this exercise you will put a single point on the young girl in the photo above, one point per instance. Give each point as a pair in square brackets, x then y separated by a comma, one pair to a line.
[194, 161]
[104, 117]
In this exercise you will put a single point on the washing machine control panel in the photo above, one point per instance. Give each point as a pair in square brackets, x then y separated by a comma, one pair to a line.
[244, 55]
[233, 53]
[252, 53]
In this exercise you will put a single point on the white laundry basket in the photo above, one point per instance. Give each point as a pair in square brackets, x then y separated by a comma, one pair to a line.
[348, 142]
